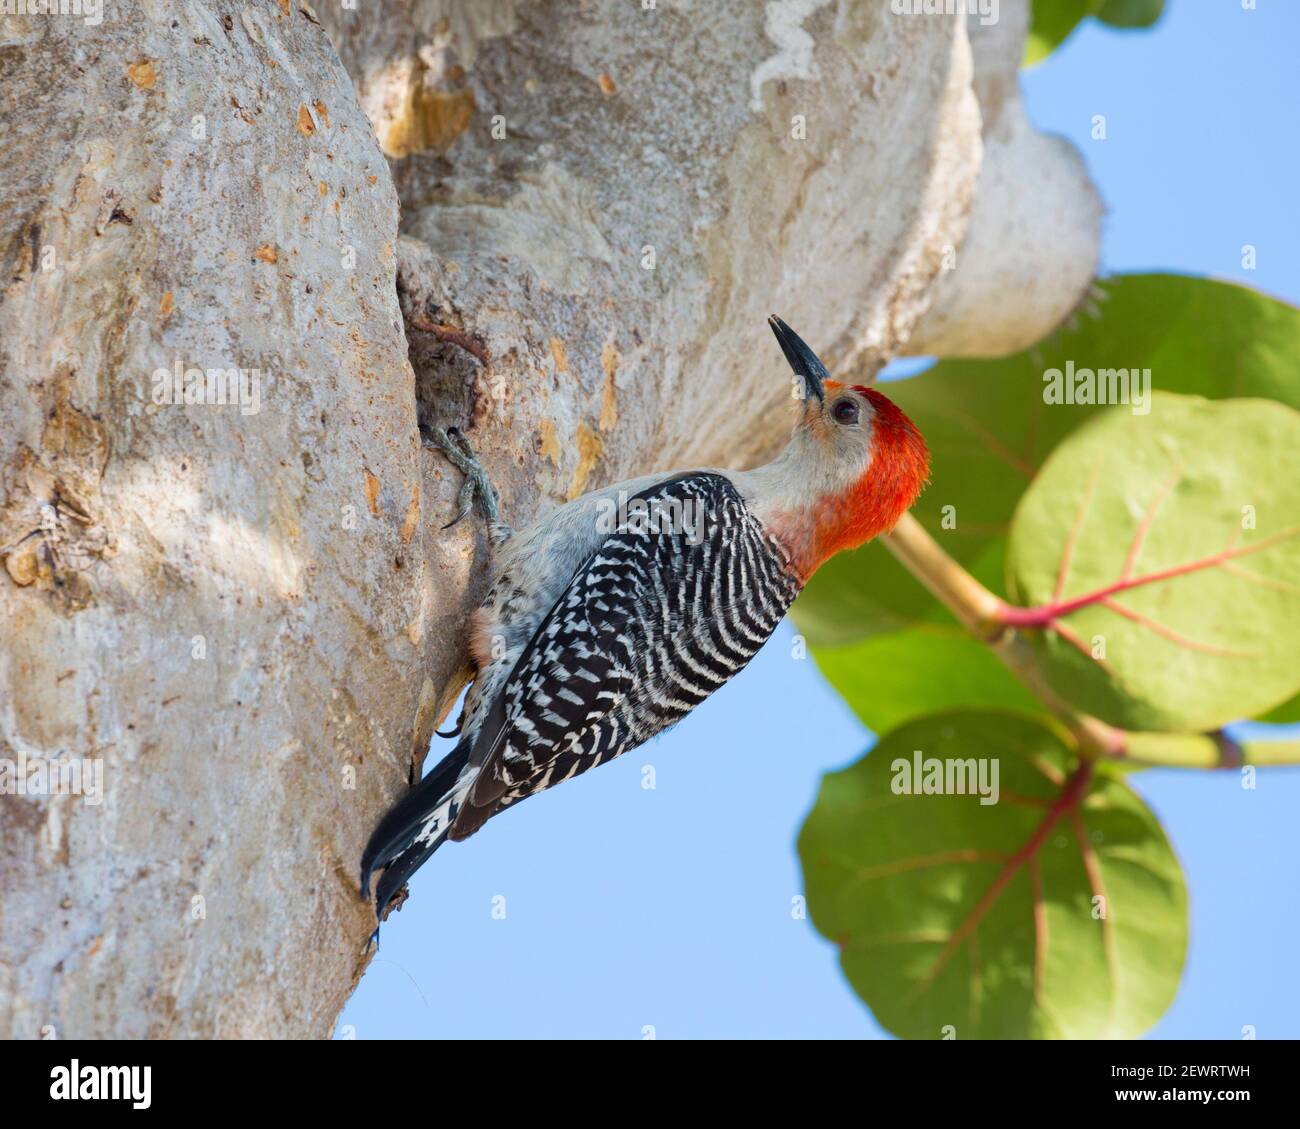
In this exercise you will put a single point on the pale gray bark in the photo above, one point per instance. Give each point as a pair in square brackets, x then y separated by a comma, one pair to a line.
[252, 620]
[1035, 231]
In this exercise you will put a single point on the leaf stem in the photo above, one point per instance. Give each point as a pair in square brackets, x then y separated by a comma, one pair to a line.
[980, 612]
[985, 616]
[1271, 752]
[976, 608]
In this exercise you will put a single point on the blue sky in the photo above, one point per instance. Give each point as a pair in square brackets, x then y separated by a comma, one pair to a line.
[627, 908]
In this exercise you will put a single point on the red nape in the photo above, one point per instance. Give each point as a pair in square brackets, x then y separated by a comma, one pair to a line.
[900, 466]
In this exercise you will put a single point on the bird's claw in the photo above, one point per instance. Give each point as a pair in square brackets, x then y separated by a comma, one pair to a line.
[456, 449]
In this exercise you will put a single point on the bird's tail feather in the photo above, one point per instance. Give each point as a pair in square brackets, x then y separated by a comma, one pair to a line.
[416, 826]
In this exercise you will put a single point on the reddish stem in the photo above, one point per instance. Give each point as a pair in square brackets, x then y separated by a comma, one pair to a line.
[1043, 614]
[1068, 799]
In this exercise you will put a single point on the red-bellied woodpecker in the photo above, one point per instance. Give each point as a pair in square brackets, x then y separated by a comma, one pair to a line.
[619, 613]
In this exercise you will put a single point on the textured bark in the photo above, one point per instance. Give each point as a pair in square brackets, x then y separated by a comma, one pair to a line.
[1035, 231]
[139, 535]
[252, 619]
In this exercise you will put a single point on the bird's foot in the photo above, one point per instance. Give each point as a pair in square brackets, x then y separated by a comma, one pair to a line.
[477, 487]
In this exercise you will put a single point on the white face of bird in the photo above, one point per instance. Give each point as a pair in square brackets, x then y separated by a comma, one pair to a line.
[854, 464]
[833, 439]
[841, 424]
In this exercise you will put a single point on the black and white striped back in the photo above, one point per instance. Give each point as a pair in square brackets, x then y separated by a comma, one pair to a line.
[673, 603]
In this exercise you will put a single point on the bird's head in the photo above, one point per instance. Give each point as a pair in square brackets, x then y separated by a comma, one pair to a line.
[854, 465]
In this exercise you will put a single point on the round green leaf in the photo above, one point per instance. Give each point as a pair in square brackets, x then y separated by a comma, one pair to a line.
[1057, 912]
[1170, 542]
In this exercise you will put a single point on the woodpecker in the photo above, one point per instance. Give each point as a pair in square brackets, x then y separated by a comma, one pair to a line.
[616, 615]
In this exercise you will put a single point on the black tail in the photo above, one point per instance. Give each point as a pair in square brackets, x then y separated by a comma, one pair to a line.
[393, 845]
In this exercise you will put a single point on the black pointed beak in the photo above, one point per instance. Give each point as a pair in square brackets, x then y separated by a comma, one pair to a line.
[802, 359]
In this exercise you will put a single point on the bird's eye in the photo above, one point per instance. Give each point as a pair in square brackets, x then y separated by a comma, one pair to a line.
[845, 411]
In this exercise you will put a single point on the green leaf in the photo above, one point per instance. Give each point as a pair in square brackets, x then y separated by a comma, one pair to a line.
[989, 430]
[1286, 714]
[1174, 540]
[888, 679]
[1130, 13]
[1052, 21]
[955, 917]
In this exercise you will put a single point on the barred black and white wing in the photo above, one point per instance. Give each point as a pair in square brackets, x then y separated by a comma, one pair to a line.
[671, 605]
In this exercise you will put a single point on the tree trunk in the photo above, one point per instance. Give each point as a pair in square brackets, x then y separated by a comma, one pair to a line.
[245, 614]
